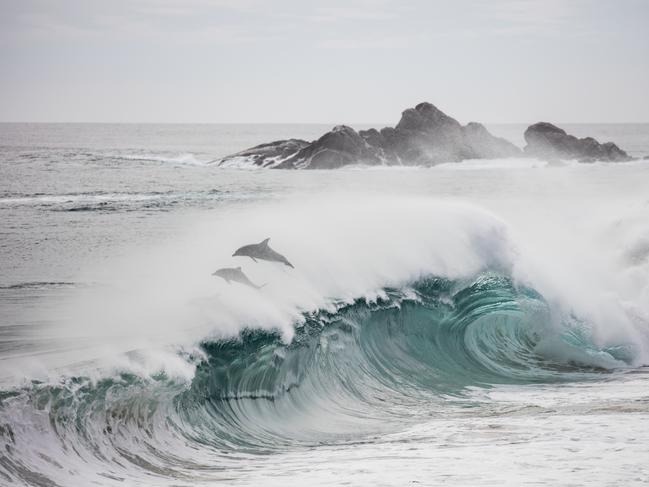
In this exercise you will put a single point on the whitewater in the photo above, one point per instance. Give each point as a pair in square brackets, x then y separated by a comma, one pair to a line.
[475, 323]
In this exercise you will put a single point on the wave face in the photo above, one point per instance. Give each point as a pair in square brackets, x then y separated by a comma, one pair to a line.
[363, 368]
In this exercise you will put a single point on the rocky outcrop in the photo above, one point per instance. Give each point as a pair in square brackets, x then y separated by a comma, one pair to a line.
[424, 136]
[265, 155]
[339, 147]
[550, 142]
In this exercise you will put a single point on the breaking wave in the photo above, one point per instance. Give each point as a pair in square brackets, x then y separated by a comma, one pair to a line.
[187, 159]
[359, 339]
[362, 368]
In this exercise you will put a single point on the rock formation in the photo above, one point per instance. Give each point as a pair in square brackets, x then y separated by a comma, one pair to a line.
[424, 136]
[265, 155]
[339, 147]
[550, 142]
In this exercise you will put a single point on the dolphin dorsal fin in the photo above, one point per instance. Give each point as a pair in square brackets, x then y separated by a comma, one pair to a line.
[265, 242]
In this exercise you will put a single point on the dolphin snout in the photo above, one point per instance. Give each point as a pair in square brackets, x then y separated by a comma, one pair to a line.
[234, 255]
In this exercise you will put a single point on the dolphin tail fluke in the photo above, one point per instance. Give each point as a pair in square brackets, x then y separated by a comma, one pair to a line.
[289, 264]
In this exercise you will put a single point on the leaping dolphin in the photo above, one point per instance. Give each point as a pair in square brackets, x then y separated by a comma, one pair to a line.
[235, 274]
[261, 251]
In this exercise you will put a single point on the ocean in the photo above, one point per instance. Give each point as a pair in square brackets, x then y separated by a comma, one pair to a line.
[474, 323]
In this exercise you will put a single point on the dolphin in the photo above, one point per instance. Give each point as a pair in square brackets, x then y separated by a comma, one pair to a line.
[261, 251]
[235, 274]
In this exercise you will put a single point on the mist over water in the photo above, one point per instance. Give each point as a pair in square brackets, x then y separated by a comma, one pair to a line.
[438, 322]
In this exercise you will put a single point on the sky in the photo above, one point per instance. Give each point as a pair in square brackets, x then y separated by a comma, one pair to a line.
[336, 61]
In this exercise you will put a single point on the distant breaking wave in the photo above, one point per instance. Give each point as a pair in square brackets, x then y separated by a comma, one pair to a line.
[81, 155]
[179, 159]
[103, 201]
[39, 285]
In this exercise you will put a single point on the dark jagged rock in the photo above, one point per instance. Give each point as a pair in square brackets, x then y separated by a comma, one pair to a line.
[340, 147]
[373, 137]
[266, 155]
[549, 141]
[424, 136]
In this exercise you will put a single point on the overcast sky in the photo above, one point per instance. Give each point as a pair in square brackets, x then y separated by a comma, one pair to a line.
[323, 61]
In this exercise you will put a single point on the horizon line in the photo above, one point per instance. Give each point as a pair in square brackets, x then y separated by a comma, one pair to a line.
[384, 124]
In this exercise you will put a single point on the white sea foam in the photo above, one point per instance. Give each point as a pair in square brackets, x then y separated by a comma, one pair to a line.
[509, 163]
[345, 247]
[344, 253]
[239, 162]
